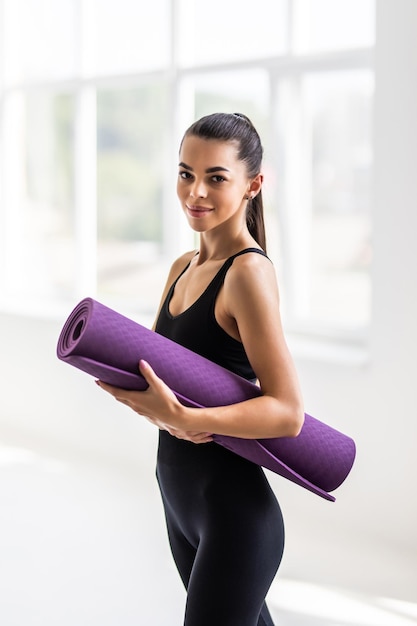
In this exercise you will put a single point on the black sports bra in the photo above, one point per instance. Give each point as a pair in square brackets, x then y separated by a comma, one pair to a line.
[196, 328]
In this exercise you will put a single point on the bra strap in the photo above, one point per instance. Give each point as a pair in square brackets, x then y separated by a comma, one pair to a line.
[219, 278]
[230, 260]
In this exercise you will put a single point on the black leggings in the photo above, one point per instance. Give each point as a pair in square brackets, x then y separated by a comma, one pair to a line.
[225, 530]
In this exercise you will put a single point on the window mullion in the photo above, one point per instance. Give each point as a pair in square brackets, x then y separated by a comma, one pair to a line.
[13, 188]
[85, 156]
[85, 184]
[296, 215]
[176, 233]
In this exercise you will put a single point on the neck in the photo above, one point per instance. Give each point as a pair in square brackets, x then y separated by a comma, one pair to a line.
[215, 246]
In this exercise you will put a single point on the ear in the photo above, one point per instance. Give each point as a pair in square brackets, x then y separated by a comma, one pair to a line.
[255, 185]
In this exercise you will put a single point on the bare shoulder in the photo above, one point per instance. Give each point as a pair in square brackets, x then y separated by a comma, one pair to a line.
[251, 273]
[252, 261]
[180, 263]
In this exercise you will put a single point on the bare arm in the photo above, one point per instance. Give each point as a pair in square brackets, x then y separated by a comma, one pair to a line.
[250, 306]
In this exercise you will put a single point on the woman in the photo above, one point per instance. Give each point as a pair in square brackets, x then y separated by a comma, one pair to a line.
[224, 523]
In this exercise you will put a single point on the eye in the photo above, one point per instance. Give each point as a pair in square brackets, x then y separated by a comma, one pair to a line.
[218, 179]
[184, 175]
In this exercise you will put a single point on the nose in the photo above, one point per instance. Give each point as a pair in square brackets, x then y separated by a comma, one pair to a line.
[198, 189]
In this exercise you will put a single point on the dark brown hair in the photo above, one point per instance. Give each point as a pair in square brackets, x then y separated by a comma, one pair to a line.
[238, 128]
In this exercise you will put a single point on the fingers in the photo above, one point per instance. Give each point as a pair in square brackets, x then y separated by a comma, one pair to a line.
[109, 388]
[202, 439]
[123, 396]
[148, 373]
[114, 391]
[193, 436]
[199, 437]
[157, 404]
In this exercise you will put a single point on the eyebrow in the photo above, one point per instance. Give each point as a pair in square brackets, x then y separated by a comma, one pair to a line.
[209, 170]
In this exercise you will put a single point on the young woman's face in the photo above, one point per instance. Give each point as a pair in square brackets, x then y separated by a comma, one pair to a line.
[212, 182]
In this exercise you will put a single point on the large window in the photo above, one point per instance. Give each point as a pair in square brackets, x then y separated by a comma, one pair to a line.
[130, 170]
[94, 97]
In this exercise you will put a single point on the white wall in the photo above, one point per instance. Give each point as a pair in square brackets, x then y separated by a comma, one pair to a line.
[367, 538]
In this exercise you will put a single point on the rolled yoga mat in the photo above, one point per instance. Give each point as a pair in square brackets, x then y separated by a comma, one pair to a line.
[108, 345]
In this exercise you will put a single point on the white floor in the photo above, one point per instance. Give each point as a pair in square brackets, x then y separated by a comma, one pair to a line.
[83, 544]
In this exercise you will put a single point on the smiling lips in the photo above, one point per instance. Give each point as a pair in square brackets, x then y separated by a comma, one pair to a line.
[198, 211]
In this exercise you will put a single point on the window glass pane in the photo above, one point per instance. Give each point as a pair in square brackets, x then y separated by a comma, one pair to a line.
[243, 91]
[131, 157]
[317, 142]
[339, 108]
[333, 24]
[40, 39]
[131, 35]
[221, 31]
[39, 197]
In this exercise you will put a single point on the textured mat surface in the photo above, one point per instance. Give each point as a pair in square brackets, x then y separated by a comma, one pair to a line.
[108, 345]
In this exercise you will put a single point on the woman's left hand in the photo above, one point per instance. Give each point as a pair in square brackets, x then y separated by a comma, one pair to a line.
[158, 404]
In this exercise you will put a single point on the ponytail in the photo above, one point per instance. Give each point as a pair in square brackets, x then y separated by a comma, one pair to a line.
[255, 220]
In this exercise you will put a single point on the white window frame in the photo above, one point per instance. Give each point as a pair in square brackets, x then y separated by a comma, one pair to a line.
[282, 70]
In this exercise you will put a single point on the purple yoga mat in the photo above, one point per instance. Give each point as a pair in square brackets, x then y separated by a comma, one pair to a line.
[108, 345]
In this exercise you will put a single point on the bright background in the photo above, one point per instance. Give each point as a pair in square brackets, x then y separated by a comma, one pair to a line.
[94, 97]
